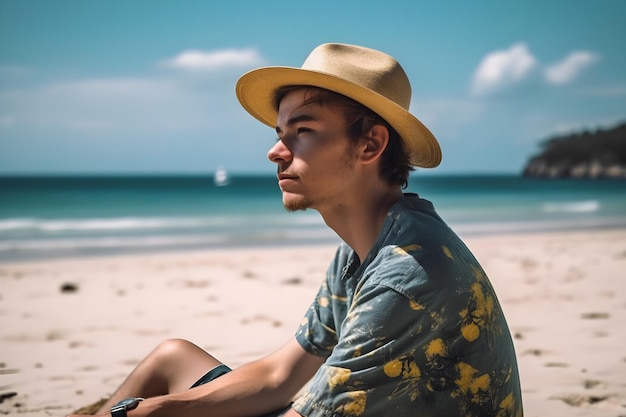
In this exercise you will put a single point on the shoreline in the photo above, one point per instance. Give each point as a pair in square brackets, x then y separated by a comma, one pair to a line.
[72, 329]
[322, 236]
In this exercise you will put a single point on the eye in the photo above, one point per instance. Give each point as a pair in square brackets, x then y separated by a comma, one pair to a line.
[304, 130]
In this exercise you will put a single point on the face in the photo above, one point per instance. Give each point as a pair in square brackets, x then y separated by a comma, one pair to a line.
[314, 156]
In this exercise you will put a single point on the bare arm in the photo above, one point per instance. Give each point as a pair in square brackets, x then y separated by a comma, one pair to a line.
[253, 389]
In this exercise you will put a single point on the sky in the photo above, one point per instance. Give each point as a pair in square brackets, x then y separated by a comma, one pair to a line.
[147, 86]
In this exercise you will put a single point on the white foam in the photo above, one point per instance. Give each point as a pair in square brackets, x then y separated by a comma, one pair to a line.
[573, 207]
[146, 223]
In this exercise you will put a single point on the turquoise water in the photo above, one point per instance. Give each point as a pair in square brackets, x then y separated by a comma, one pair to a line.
[56, 217]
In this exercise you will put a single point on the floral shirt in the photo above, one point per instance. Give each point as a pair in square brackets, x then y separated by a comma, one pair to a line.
[415, 329]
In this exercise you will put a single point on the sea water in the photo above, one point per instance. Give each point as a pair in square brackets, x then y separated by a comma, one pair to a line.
[51, 217]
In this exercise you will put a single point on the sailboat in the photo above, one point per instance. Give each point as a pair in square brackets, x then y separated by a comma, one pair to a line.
[221, 177]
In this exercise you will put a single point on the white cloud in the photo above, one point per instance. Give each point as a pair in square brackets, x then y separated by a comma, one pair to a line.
[569, 68]
[203, 60]
[121, 105]
[500, 69]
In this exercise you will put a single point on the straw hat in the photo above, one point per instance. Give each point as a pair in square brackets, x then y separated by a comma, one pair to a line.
[367, 76]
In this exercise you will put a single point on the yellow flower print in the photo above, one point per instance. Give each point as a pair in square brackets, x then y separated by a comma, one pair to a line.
[507, 403]
[338, 376]
[470, 331]
[404, 250]
[479, 313]
[435, 347]
[484, 304]
[356, 405]
[508, 406]
[410, 373]
[405, 366]
[393, 368]
[414, 305]
[468, 382]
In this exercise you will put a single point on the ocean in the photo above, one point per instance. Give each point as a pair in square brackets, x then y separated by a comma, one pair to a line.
[55, 217]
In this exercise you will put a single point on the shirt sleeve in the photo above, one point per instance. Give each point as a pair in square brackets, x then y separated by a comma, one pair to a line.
[317, 333]
[373, 361]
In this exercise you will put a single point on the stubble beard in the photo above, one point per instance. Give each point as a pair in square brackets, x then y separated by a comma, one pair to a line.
[296, 203]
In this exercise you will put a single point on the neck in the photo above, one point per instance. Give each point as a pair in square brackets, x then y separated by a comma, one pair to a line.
[358, 219]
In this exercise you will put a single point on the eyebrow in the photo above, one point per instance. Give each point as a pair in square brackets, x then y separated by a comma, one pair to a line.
[301, 118]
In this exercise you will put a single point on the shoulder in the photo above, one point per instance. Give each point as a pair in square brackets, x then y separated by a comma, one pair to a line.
[417, 243]
[412, 251]
[414, 221]
[441, 270]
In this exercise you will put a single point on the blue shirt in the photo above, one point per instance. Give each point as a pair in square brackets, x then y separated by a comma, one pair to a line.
[415, 329]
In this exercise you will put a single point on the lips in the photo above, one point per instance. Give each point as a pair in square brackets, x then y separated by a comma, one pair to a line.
[286, 177]
[284, 180]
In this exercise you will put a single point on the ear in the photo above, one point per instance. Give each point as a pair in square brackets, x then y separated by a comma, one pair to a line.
[374, 144]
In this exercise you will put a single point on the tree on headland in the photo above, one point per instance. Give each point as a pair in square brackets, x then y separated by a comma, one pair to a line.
[599, 154]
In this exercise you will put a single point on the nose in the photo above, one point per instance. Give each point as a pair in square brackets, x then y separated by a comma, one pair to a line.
[279, 152]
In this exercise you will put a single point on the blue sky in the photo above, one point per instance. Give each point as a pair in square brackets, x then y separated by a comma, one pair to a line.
[148, 86]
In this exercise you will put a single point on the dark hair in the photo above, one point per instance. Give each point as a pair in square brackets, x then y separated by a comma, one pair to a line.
[395, 164]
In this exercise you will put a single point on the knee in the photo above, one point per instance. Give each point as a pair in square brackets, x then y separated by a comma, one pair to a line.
[179, 363]
[172, 350]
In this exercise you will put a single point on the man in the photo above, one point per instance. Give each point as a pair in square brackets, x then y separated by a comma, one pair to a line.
[406, 322]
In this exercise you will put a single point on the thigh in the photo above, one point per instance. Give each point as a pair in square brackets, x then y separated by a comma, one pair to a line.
[223, 369]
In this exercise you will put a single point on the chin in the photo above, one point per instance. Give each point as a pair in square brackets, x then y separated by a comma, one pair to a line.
[295, 203]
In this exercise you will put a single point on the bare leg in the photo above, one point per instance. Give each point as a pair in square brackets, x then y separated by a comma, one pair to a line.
[174, 366]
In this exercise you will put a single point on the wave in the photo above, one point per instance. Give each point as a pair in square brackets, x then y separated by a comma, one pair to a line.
[54, 246]
[495, 228]
[573, 207]
[98, 224]
[147, 223]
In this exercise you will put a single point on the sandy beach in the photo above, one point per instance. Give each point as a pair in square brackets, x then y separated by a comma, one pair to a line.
[71, 330]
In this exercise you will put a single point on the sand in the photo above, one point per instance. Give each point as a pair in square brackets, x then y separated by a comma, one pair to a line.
[71, 330]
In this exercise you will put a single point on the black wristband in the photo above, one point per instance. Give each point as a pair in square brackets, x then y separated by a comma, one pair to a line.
[119, 409]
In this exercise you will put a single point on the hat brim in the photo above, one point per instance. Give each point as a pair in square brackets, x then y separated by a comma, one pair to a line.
[256, 91]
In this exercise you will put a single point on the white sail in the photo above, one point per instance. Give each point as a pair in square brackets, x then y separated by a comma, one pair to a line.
[221, 177]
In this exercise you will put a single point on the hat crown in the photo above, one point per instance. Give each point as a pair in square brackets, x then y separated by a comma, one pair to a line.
[366, 67]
